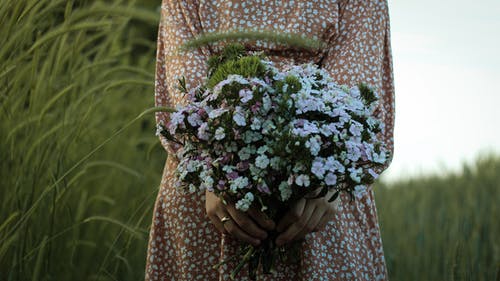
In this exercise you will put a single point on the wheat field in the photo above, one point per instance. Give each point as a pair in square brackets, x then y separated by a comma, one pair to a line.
[80, 165]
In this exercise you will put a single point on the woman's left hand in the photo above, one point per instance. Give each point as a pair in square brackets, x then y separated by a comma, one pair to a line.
[306, 215]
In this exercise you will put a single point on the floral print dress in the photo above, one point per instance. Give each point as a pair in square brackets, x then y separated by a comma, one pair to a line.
[183, 243]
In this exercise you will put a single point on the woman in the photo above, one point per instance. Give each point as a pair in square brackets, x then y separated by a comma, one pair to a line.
[190, 233]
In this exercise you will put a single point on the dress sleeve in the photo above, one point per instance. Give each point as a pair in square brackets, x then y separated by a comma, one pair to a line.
[178, 24]
[360, 51]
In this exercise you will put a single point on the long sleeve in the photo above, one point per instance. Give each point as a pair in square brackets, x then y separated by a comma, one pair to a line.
[179, 23]
[361, 52]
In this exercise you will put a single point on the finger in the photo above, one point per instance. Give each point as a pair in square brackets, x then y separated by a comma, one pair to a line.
[312, 223]
[216, 221]
[262, 219]
[295, 227]
[327, 217]
[232, 227]
[293, 215]
[246, 223]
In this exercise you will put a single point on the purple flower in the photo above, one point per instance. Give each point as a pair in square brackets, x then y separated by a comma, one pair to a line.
[221, 184]
[262, 187]
[255, 107]
[232, 175]
[242, 166]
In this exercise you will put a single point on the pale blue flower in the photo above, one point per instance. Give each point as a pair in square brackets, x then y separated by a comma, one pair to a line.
[244, 203]
[379, 157]
[262, 161]
[355, 174]
[245, 95]
[239, 116]
[314, 145]
[318, 167]
[331, 179]
[194, 119]
[238, 183]
[302, 180]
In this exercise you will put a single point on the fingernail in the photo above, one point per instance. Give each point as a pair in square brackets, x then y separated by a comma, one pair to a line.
[256, 242]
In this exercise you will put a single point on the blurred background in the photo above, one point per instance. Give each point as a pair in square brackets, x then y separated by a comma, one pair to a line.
[78, 182]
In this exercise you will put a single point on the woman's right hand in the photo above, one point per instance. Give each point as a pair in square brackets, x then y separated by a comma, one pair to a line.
[247, 226]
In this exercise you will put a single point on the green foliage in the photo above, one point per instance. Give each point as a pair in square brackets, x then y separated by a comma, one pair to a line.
[73, 73]
[443, 227]
[367, 93]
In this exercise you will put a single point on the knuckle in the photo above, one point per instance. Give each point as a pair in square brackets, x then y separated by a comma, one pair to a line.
[210, 212]
[231, 228]
[295, 216]
[309, 228]
[301, 224]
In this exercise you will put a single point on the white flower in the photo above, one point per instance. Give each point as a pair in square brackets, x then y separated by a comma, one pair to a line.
[262, 161]
[209, 183]
[266, 103]
[219, 133]
[239, 116]
[244, 203]
[262, 149]
[268, 126]
[238, 183]
[256, 123]
[216, 113]
[245, 152]
[275, 162]
[245, 95]
[285, 191]
[159, 128]
[193, 165]
[302, 180]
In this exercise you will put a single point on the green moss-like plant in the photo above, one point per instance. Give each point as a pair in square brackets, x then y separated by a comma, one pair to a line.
[293, 82]
[248, 66]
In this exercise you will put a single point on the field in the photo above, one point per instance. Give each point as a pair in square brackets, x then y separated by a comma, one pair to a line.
[80, 168]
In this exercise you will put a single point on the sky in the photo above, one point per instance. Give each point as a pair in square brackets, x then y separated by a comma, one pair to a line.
[446, 75]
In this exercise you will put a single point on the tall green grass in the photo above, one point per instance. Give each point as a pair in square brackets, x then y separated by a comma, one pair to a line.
[72, 73]
[76, 205]
[443, 227]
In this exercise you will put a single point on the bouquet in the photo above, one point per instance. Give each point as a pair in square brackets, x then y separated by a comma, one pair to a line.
[265, 138]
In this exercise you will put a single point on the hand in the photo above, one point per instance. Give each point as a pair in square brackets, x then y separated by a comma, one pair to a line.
[306, 215]
[247, 226]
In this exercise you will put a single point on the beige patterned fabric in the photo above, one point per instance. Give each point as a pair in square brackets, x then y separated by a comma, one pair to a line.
[183, 242]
